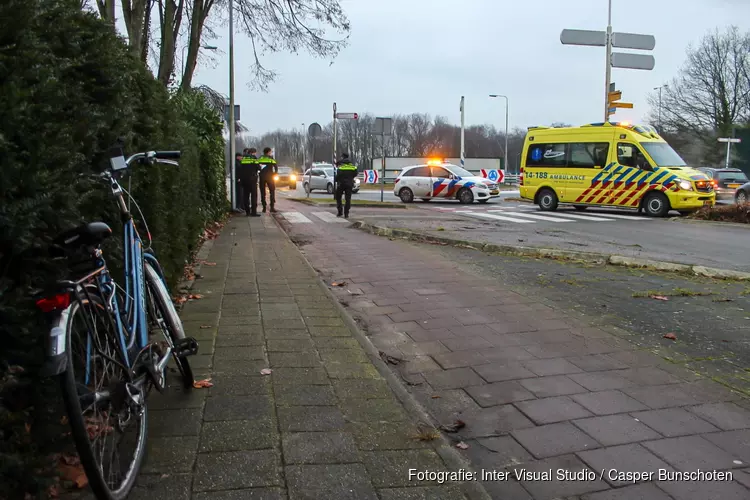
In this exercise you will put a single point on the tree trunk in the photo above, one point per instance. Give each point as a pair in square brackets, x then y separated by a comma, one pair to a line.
[171, 20]
[134, 12]
[146, 37]
[106, 10]
[201, 9]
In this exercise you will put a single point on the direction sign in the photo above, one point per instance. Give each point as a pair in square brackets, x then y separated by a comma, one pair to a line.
[584, 37]
[236, 112]
[623, 105]
[633, 41]
[493, 175]
[615, 96]
[727, 139]
[347, 116]
[632, 61]
[383, 126]
[612, 111]
[371, 176]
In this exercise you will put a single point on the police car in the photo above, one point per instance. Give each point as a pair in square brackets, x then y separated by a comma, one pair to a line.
[438, 179]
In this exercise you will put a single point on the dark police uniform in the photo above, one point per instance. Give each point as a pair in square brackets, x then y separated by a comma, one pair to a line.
[268, 169]
[248, 177]
[345, 175]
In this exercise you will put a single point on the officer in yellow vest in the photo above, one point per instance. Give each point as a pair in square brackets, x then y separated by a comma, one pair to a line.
[268, 169]
[345, 175]
[247, 174]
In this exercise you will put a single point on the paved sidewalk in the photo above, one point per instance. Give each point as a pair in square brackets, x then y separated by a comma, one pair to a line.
[539, 389]
[323, 425]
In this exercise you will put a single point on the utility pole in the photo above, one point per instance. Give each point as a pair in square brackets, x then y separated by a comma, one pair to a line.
[232, 146]
[729, 141]
[304, 146]
[608, 77]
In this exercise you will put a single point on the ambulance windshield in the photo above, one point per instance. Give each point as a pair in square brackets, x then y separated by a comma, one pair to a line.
[663, 154]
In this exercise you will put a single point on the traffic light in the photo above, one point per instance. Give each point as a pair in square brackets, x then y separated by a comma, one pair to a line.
[612, 102]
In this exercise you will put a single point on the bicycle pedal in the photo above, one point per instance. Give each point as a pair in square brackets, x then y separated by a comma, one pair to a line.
[185, 347]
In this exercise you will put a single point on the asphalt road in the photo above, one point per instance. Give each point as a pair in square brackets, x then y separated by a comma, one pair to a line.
[370, 195]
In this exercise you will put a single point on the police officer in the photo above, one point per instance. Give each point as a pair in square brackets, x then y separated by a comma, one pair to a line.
[268, 169]
[345, 175]
[237, 174]
[248, 177]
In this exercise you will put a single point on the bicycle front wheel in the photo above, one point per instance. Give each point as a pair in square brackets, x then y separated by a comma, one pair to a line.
[110, 437]
[162, 312]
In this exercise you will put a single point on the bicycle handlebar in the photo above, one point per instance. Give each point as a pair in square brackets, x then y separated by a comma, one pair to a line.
[168, 155]
[151, 157]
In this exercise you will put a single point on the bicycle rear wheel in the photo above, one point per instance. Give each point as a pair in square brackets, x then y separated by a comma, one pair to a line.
[162, 311]
[110, 439]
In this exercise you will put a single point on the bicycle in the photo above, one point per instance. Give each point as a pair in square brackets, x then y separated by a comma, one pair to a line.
[107, 369]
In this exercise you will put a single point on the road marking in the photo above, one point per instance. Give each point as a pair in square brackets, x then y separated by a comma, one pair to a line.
[495, 217]
[540, 217]
[328, 217]
[576, 216]
[295, 218]
[617, 216]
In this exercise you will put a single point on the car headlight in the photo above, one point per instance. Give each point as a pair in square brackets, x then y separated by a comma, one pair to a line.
[292, 177]
[276, 177]
[685, 185]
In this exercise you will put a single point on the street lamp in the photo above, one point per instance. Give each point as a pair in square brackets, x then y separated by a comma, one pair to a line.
[659, 119]
[505, 153]
[232, 146]
[207, 47]
[304, 146]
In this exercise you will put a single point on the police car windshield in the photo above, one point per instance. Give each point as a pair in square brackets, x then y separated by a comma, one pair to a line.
[459, 171]
[663, 154]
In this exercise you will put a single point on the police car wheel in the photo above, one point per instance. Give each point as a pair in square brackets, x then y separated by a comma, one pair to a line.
[406, 195]
[656, 205]
[329, 188]
[741, 198]
[465, 196]
[547, 200]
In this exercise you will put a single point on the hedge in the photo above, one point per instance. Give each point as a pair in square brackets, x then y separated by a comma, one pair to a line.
[68, 91]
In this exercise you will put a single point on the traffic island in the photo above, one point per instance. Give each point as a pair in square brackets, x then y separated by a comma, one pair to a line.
[724, 213]
[553, 253]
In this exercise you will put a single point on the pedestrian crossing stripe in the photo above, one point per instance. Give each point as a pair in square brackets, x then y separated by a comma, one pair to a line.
[296, 218]
[495, 217]
[328, 217]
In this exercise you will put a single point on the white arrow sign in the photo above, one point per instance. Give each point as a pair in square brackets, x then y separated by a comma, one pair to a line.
[632, 61]
[732, 140]
[347, 116]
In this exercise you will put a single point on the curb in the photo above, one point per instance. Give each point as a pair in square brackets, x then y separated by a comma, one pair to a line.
[361, 205]
[184, 286]
[552, 253]
[712, 222]
[453, 459]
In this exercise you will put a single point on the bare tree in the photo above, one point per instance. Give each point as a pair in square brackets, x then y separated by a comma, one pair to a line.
[273, 26]
[711, 94]
[106, 10]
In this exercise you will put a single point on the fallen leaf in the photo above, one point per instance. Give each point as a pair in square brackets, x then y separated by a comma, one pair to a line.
[389, 359]
[70, 460]
[73, 473]
[435, 397]
[659, 297]
[205, 327]
[265, 371]
[209, 263]
[15, 369]
[355, 292]
[200, 384]
[670, 336]
[462, 446]
[336, 283]
[64, 420]
[724, 340]
[454, 427]
[164, 476]
[53, 491]
[27, 426]
[195, 296]
[180, 300]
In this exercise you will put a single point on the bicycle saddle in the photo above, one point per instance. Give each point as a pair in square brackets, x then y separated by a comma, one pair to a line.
[91, 234]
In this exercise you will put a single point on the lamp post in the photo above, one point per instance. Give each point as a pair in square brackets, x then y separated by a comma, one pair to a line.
[659, 119]
[505, 152]
[304, 146]
[207, 47]
[232, 145]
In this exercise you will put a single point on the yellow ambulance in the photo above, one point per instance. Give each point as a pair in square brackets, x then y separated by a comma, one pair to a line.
[609, 164]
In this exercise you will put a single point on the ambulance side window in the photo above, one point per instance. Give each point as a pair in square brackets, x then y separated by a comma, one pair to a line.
[630, 156]
[588, 154]
[547, 155]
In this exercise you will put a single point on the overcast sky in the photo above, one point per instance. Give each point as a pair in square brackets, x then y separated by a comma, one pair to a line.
[408, 56]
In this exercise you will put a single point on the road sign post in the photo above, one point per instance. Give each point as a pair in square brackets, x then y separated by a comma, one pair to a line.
[383, 127]
[313, 131]
[729, 141]
[609, 40]
[339, 116]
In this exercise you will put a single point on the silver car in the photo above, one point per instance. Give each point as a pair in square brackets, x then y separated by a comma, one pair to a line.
[321, 179]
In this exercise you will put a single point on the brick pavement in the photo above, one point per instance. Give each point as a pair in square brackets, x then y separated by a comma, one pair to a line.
[324, 425]
[538, 388]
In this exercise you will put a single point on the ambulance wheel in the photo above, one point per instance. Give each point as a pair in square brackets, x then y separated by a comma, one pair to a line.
[406, 195]
[329, 188]
[656, 205]
[547, 200]
[465, 196]
[580, 208]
